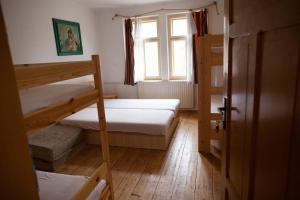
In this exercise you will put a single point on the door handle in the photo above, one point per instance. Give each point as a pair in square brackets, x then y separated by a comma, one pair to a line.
[223, 110]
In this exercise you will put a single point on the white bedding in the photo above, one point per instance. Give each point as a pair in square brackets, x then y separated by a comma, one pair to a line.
[155, 104]
[63, 187]
[40, 97]
[147, 121]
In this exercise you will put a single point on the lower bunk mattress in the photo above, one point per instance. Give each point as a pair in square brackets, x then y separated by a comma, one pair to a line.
[63, 187]
[145, 121]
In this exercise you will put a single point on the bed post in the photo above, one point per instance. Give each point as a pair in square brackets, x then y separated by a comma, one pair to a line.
[102, 123]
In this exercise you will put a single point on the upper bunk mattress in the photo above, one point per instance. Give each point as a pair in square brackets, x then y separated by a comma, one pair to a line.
[63, 187]
[147, 121]
[40, 97]
[155, 104]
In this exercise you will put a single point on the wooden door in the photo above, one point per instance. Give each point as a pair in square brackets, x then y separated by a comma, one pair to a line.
[262, 62]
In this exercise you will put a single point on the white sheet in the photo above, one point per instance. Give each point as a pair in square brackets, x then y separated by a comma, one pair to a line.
[147, 121]
[63, 187]
[156, 104]
[40, 97]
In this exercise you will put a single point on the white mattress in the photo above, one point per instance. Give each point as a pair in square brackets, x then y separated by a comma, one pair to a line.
[40, 97]
[147, 121]
[63, 187]
[156, 104]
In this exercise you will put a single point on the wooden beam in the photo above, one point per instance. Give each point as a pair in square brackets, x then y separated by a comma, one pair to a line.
[52, 114]
[99, 174]
[32, 75]
[102, 123]
[16, 170]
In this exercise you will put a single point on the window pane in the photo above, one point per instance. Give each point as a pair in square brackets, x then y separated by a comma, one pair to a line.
[151, 59]
[149, 29]
[178, 58]
[179, 27]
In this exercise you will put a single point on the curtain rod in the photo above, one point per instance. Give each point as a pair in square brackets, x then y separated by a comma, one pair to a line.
[168, 9]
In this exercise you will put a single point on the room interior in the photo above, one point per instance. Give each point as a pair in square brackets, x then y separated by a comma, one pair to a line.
[158, 99]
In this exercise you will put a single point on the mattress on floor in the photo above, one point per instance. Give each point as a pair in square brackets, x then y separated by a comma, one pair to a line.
[53, 142]
[156, 104]
[147, 121]
[46, 165]
[40, 97]
[63, 187]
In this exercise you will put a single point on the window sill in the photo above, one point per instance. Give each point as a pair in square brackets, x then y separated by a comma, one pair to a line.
[165, 81]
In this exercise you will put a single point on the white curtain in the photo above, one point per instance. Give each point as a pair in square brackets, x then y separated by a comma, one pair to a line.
[191, 29]
[138, 52]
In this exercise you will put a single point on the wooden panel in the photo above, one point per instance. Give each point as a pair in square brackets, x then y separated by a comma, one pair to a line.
[216, 135]
[136, 140]
[280, 66]
[216, 90]
[256, 15]
[204, 105]
[16, 170]
[236, 133]
[216, 59]
[52, 114]
[40, 74]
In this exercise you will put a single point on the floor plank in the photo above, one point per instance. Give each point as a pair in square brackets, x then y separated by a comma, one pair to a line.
[180, 173]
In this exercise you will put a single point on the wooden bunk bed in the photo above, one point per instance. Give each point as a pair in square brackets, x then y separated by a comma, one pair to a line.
[210, 128]
[28, 76]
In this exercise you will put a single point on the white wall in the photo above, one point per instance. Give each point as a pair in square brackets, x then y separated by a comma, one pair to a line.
[112, 41]
[30, 30]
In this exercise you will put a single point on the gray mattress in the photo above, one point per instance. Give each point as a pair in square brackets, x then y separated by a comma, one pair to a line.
[53, 142]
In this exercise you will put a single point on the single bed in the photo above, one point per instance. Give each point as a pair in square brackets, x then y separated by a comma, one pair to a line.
[140, 128]
[63, 187]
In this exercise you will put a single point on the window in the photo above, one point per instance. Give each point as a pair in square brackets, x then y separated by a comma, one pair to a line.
[168, 57]
[150, 40]
[177, 47]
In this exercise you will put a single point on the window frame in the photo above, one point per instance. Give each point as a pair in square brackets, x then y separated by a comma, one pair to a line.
[170, 49]
[152, 39]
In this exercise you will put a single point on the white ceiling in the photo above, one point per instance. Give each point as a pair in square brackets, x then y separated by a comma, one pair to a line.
[120, 3]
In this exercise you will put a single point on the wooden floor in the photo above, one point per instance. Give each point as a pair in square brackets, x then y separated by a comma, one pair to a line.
[177, 174]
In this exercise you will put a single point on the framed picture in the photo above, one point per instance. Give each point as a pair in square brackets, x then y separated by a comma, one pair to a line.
[67, 37]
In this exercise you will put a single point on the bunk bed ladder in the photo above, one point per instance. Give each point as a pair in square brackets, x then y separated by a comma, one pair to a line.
[209, 54]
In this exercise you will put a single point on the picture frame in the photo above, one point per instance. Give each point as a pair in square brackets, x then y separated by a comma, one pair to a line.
[67, 37]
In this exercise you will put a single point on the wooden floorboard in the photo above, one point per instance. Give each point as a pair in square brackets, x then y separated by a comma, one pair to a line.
[180, 173]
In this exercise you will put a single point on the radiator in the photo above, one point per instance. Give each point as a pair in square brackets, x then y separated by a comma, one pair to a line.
[168, 90]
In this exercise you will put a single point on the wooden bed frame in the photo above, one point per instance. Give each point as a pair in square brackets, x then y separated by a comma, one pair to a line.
[136, 140]
[207, 58]
[28, 76]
